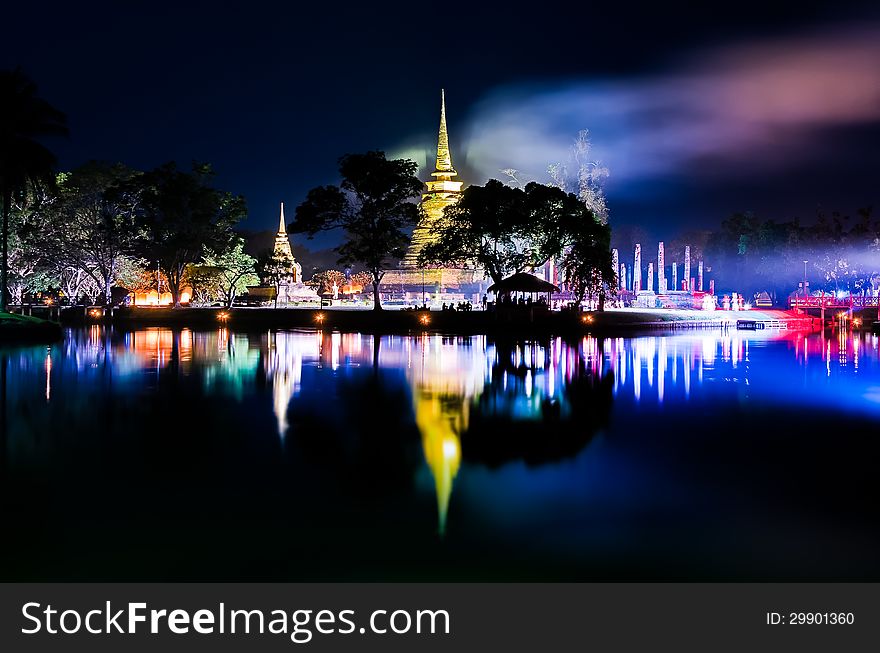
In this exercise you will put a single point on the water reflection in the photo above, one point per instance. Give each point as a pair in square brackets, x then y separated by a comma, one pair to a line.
[449, 377]
[445, 375]
[284, 362]
[671, 365]
[493, 421]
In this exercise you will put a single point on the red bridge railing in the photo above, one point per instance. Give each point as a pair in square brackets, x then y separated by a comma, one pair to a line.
[830, 301]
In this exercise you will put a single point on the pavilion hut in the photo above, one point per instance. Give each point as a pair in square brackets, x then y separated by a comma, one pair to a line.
[527, 284]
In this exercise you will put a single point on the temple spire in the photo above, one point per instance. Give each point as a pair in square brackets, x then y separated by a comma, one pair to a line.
[442, 191]
[282, 228]
[444, 158]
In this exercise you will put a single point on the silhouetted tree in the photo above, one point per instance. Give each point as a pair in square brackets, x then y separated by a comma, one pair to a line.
[488, 226]
[183, 215]
[750, 254]
[24, 161]
[372, 205]
[275, 267]
[586, 262]
[505, 230]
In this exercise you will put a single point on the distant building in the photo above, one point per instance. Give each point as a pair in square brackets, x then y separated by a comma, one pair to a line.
[286, 274]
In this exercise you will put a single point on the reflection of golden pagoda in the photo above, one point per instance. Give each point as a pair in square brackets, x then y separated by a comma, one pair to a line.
[442, 192]
[410, 281]
[444, 385]
[441, 419]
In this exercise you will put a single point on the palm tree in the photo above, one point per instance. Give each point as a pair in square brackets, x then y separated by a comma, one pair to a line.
[24, 161]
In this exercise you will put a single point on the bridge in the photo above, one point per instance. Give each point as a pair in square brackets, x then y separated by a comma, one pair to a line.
[833, 302]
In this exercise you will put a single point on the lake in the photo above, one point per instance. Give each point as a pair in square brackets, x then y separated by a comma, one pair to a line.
[159, 454]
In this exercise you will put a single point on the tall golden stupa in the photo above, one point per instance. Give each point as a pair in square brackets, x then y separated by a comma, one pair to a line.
[442, 192]
[434, 284]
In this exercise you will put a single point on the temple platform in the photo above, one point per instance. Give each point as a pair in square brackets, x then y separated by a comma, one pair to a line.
[434, 284]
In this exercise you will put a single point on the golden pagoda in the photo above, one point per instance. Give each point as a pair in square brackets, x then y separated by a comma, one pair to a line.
[282, 243]
[434, 284]
[289, 288]
[442, 191]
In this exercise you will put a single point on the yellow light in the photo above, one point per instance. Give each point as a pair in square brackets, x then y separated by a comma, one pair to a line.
[857, 321]
[424, 319]
[586, 319]
[319, 318]
[95, 312]
[223, 316]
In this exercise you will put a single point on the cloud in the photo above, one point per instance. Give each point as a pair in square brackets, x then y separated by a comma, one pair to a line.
[739, 109]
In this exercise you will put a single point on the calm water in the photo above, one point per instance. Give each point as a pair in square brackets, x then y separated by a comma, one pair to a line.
[158, 454]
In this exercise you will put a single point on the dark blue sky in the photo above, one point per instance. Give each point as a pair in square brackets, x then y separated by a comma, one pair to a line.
[272, 96]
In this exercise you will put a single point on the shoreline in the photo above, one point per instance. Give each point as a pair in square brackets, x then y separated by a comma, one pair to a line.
[521, 321]
[23, 329]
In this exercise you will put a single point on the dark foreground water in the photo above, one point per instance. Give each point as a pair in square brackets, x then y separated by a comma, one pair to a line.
[181, 455]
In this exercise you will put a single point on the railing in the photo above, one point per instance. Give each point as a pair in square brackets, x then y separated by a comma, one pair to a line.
[830, 301]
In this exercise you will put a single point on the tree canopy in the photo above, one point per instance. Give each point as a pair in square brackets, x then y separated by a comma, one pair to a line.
[372, 205]
[25, 119]
[506, 230]
[94, 226]
[750, 254]
[183, 215]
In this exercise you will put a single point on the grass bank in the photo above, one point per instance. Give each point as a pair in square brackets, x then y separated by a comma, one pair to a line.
[22, 328]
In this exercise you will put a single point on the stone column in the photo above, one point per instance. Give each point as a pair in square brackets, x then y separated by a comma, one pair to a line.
[700, 275]
[661, 269]
[674, 275]
[637, 269]
[623, 276]
[687, 268]
[711, 286]
[650, 277]
[614, 262]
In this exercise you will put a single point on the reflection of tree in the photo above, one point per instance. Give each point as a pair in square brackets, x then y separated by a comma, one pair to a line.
[530, 405]
[529, 410]
[362, 441]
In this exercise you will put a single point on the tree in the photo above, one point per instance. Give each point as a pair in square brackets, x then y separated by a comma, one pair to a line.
[136, 275]
[360, 280]
[752, 254]
[26, 275]
[205, 282]
[486, 226]
[235, 270]
[506, 230]
[326, 278]
[30, 270]
[586, 262]
[96, 221]
[183, 215]
[588, 179]
[372, 205]
[275, 267]
[24, 161]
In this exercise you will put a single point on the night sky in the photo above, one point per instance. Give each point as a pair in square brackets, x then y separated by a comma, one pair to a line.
[697, 112]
